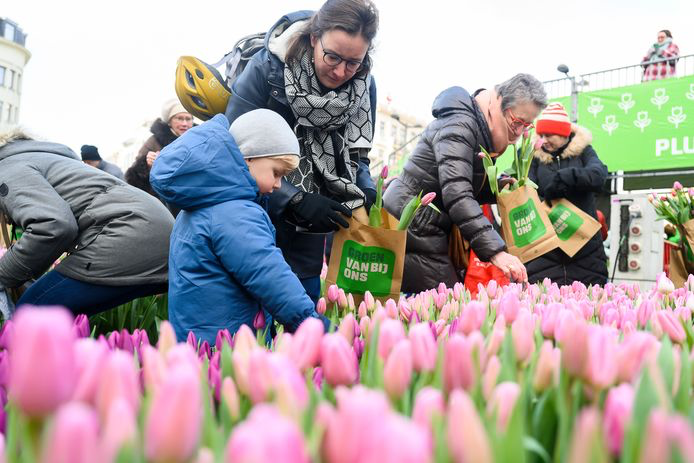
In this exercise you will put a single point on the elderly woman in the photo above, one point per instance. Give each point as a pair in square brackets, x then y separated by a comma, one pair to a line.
[445, 161]
[568, 167]
[661, 58]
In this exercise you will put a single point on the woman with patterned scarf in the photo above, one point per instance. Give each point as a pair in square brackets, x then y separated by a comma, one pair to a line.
[661, 58]
[315, 71]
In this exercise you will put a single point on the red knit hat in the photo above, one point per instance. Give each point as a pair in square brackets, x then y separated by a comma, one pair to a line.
[553, 121]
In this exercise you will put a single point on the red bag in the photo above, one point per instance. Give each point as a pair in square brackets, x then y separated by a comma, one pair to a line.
[483, 272]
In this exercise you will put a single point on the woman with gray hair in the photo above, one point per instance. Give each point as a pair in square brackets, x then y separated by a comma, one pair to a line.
[446, 162]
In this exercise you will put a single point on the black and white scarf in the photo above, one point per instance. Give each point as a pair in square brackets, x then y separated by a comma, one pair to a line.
[334, 129]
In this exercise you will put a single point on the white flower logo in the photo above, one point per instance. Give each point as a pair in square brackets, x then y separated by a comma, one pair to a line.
[595, 106]
[610, 124]
[677, 116]
[659, 97]
[627, 102]
[642, 120]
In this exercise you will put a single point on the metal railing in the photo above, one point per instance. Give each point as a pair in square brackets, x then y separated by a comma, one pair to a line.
[613, 78]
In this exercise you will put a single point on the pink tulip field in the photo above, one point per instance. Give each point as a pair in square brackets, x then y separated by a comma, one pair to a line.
[519, 373]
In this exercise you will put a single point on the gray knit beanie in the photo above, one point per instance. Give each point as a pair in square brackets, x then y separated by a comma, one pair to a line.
[261, 133]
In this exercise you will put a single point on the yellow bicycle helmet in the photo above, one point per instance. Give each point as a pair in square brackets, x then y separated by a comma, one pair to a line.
[201, 88]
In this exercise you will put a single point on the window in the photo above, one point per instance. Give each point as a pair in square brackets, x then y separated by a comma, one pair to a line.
[9, 32]
[9, 78]
[2, 75]
[8, 117]
[1, 104]
[18, 83]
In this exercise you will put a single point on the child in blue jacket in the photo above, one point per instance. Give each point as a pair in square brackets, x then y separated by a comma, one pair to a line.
[224, 265]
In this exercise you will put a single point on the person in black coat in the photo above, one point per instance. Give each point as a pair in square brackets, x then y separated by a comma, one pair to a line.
[568, 167]
[446, 161]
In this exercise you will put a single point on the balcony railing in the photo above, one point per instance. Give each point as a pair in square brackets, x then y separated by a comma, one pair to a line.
[613, 78]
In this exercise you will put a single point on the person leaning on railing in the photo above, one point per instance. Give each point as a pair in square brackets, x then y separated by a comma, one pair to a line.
[661, 58]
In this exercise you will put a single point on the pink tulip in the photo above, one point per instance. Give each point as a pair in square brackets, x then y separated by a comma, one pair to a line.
[223, 338]
[547, 367]
[365, 326]
[655, 446]
[458, 370]
[348, 327]
[42, 360]
[424, 348]
[6, 334]
[338, 360]
[369, 301]
[73, 438]
[490, 376]
[601, 367]
[89, 359]
[502, 403]
[618, 407]
[230, 397]
[671, 325]
[120, 429]
[397, 372]
[636, 348]
[81, 326]
[664, 285]
[575, 346]
[428, 403]
[260, 375]
[267, 436]
[466, 435]
[646, 308]
[677, 186]
[259, 320]
[550, 315]
[305, 349]
[587, 443]
[167, 337]
[384, 172]
[471, 317]
[681, 435]
[204, 455]
[333, 293]
[118, 379]
[428, 198]
[401, 440]
[342, 299]
[392, 309]
[244, 340]
[509, 307]
[522, 331]
[322, 306]
[390, 332]
[174, 420]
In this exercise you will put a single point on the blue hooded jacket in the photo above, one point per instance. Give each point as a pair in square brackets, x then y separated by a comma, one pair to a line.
[223, 261]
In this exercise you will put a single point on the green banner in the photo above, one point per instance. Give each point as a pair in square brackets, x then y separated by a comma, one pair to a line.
[642, 127]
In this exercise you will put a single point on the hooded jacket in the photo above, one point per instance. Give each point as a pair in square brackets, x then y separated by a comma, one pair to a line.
[114, 234]
[224, 265]
[576, 173]
[261, 85]
[445, 161]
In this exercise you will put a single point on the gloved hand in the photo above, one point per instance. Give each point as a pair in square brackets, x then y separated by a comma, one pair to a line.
[323, 214]
[554, 188]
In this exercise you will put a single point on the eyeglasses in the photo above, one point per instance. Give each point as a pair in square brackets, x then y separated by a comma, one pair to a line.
[518, 123]
[182, 118]
[334, 60]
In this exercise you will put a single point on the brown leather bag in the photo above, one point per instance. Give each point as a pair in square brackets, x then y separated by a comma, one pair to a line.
[458, 249]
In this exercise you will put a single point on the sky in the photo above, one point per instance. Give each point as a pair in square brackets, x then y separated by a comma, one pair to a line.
[100, 69]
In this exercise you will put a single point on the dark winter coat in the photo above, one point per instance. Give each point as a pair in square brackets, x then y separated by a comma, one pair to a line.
[224, 262]
[138, 174]
[114, 234]
[261, 85]
[576, 173]
[445, 161]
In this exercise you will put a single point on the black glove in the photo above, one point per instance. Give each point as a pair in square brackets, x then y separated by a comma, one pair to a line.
[323, 214]
[369, 198]
[555, 188]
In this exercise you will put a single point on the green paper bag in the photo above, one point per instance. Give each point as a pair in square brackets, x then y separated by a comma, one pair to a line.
[573, 227]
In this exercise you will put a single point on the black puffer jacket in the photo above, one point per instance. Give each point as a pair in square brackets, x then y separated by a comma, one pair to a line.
[445, 161]
[576, 173]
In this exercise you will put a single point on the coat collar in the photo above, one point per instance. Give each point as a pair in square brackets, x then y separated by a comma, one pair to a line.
[581, 139]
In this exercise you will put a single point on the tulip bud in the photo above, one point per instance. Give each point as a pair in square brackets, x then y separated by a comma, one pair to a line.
[587, 443]
[81, 326]
[538, 144]
[618, 406]
[173, 424]
[223, 337]
[509, 306]
[424, 348]
[305, 349]
[664, 284]
[384, 172]
[120, 429]
[490, 376]
[575, 346]
[391, 331]
[428, 403]
[118, 379]
[333, 293]
[338, 360]
[466, 435]
[348, 327]
[42, 359]
[268, 436]
[230, 398]
[259, 320]
[428, 198]
[397, 372]
[677, 186]
[322, 306]
[73, 437]
[522, 332]
[89, 356]
[167, 337]
[458, 369]
[671, 325]
[342, 299]
[601, 367]
[369, 301]
[502, 403]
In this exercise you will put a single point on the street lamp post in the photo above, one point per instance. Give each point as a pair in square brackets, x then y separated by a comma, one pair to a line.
[564, 69]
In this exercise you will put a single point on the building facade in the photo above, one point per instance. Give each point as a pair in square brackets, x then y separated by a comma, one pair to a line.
[13, 58]
[395, 135]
